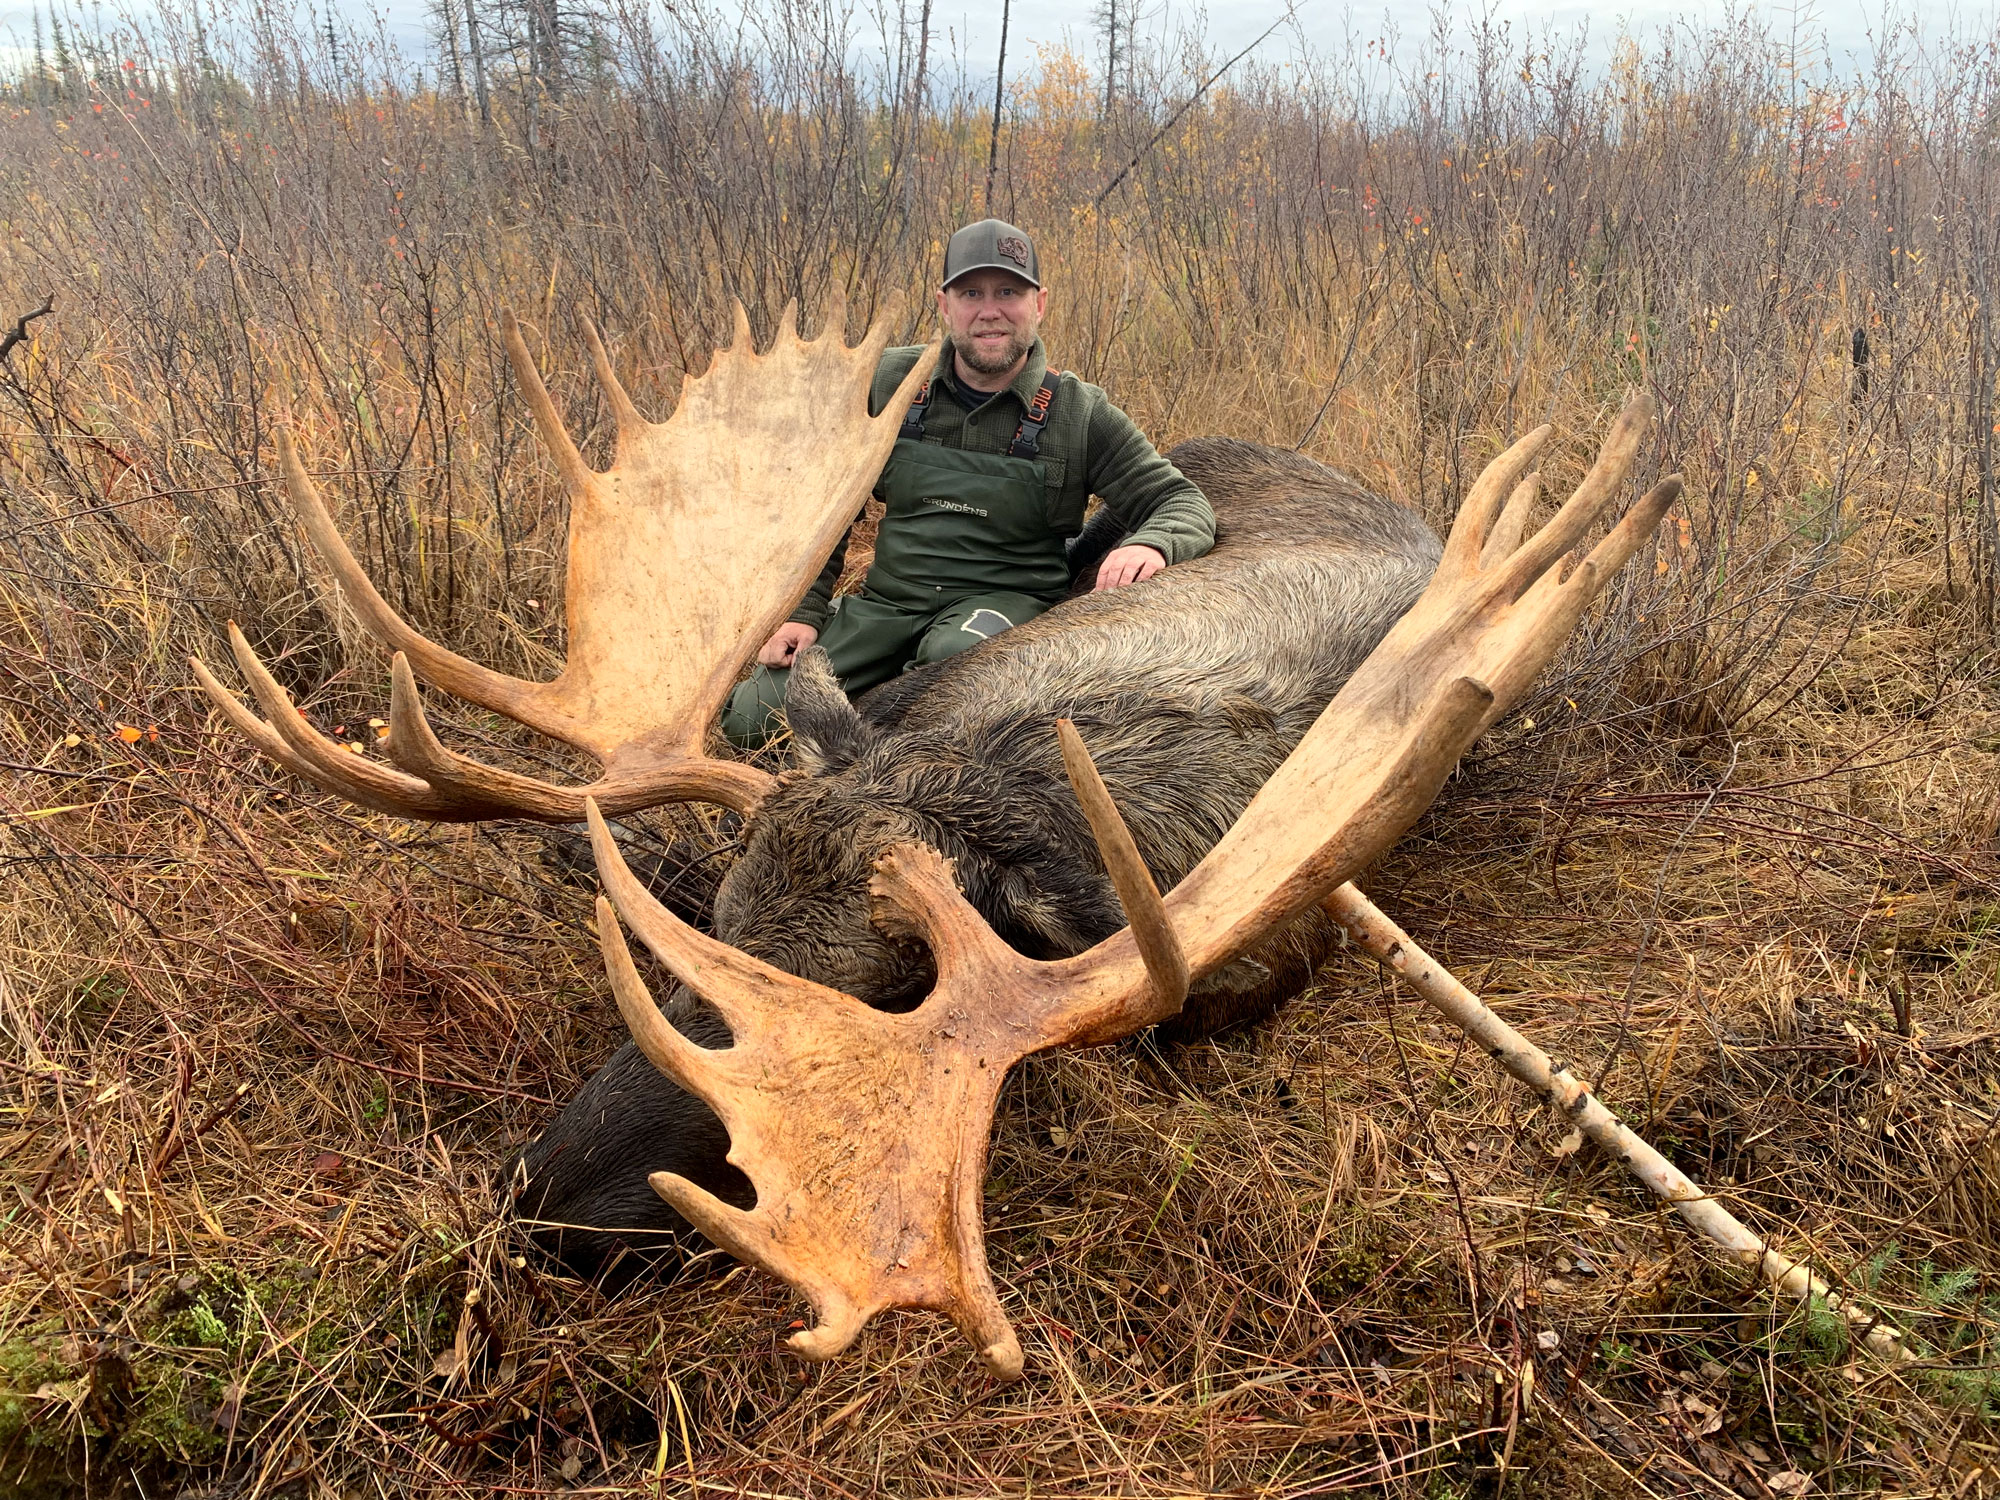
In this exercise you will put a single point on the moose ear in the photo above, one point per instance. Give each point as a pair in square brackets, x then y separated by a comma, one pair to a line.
[827, 734]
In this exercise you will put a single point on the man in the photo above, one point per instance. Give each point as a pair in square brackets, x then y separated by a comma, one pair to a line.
[995, 464]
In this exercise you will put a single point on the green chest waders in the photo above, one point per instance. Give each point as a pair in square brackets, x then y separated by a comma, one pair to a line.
[959, 524]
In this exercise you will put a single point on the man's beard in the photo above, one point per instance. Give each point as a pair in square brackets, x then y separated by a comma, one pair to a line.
[1021, 341]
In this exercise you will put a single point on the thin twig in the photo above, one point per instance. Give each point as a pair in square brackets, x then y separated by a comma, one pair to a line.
[19, 333]
[999, 98]
[1192, 100]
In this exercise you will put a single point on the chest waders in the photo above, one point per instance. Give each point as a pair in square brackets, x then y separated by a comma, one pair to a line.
[963, 523]
[966, 549]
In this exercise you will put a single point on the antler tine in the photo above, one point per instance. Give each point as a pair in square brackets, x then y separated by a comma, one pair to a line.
[741, 340]
[1553, 603]
[839, 1318]
[1612, 553]
[414, 746]
[548, 420]
[979, 1314]
[788, 324]
[247, 724]
[688, 1063]
[369, 785]
[1483, 501]
[833, 322]
[734, 1229]
[1506, 533]
[876, 339]
[630, 423]
[747, 991]
[838, 1326]
[447, 669]
[1567, 526]
[333, 769]
[1158, 945]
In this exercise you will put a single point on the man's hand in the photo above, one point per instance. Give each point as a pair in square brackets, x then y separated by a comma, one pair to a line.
[788, 640]
[1123, 565]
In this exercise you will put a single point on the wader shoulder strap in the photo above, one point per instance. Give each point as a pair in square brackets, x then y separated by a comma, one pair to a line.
[1028, 436]
[913, 422]
[1027, 441]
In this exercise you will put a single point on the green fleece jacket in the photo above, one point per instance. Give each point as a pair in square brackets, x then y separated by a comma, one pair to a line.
[1089, 447]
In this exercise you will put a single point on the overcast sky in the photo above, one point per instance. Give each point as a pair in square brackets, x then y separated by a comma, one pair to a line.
[972, 30]
[1326, 25]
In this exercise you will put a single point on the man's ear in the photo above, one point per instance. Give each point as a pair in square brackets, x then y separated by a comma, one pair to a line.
[827, 734]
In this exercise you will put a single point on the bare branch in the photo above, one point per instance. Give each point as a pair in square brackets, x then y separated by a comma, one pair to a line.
[19, 332]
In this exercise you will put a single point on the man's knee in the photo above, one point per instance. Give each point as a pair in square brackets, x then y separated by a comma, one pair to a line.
[750, 717]
[962, 630]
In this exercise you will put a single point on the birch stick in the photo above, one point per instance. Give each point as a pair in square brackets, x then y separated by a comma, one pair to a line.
[1562, 1090]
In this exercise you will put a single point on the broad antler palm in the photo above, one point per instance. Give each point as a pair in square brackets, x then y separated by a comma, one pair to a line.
[865, 1133]
[683, 557]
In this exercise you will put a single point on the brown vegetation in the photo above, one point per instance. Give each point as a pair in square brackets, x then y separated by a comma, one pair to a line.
[266, 1056]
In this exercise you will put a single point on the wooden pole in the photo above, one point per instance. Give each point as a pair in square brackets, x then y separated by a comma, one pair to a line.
[1563, 1091]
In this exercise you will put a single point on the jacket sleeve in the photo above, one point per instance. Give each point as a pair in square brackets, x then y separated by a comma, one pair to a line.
[1162, 505]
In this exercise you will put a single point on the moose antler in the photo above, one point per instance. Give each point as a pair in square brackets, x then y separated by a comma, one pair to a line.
[864, 1133]
[683, 557]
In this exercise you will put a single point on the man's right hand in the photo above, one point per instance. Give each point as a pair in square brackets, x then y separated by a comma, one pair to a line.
[786, 642]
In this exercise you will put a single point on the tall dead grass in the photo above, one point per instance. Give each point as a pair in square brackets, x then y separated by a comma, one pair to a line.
[265, 1054]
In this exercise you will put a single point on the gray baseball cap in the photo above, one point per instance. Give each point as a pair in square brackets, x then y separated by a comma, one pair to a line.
[991, 244]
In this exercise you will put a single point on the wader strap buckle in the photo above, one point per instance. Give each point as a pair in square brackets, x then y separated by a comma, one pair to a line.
[1028, 436]
[913, 423]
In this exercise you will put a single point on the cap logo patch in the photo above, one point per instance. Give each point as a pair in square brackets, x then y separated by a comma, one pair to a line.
[1014, 249]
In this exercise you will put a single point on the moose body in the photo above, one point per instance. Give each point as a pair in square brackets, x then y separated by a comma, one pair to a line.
[1189, 690]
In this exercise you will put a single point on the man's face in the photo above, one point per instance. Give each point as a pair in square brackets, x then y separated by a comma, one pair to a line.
[992, 318]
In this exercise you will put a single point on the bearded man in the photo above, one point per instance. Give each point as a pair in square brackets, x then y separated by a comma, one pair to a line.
[989, 479]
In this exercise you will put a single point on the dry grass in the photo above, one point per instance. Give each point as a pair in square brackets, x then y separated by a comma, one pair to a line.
[266, 1056]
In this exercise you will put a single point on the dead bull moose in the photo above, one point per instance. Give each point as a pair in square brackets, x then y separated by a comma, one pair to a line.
[1188, 692]
[927, 903]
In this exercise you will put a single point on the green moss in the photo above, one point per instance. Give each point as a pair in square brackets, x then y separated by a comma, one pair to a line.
[28, 1362]
[173, 1419]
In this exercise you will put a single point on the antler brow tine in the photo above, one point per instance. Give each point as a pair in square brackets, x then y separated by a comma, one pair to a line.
[686, 1062]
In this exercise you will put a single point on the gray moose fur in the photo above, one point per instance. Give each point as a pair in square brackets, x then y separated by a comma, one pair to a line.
[1189, 690]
